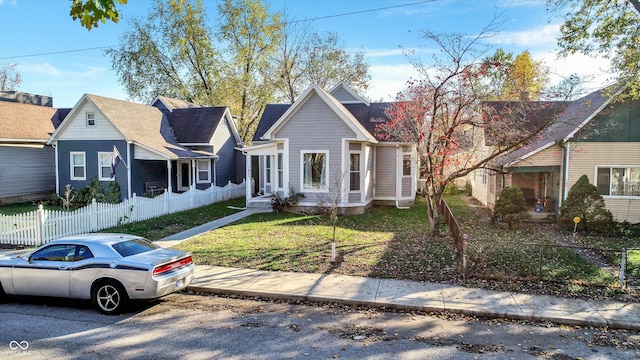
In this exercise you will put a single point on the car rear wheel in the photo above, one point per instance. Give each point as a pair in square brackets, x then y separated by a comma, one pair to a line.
[3, 296]
[110, 297]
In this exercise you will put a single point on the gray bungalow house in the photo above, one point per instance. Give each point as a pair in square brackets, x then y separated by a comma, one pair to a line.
[27, 164]
[171, 146]
[326, 146]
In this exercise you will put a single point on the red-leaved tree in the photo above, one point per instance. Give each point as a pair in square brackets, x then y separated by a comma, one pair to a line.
[444, 113]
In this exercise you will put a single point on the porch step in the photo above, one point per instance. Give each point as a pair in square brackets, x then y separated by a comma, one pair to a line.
[259, 204]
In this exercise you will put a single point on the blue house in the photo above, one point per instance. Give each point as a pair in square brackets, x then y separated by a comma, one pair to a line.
[170, 145]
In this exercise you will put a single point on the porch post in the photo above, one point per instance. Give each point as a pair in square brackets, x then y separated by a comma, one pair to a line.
[248, 177]
[193, 173]
[169, 187]
[129, 170]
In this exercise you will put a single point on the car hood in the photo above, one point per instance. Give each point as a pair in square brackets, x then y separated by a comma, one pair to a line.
[157, 256]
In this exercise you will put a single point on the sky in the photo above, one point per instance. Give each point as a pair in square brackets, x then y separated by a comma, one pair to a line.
[57, 57]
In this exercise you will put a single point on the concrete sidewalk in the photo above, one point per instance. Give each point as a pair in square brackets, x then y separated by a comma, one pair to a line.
[389, 293]
[419, 296]
[175, 239]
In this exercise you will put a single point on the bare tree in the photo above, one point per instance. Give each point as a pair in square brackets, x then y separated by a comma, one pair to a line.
[442, 113]
[10, 79]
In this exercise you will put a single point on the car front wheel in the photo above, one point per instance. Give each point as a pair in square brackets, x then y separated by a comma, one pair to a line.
[110, 297]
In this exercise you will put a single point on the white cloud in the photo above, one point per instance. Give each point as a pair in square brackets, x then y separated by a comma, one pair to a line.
[593, 69]
[541, 35]
[388, 80]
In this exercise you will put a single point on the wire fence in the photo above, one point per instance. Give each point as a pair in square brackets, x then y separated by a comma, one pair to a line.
[542, 261]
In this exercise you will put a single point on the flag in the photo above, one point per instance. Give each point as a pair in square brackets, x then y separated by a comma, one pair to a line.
[115, 160]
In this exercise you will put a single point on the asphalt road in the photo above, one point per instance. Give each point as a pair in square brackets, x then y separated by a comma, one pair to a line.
[183, 326]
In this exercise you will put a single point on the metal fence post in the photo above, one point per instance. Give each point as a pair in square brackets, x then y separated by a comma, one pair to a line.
[623, 265]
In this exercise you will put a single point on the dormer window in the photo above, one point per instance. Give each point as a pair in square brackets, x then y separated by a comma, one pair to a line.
[91, 119]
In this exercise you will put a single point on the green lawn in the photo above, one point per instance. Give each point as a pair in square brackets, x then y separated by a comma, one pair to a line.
[163, 226]
[385, 242]
[24, 207]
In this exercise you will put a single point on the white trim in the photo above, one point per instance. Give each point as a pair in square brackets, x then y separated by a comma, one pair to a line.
[72, 165]
[179, 175]
[208, 171]
[531, 153]
[611, 167]
[326, 172]
[88, 120]
[359, 99]
[108, 165]
[588, 119]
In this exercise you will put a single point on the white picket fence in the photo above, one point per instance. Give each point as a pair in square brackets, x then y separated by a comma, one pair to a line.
[41, 226]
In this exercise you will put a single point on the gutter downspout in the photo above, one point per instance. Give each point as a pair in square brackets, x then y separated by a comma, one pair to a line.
[129, 170]
[55, 152]
[565, 173]
[399, 178]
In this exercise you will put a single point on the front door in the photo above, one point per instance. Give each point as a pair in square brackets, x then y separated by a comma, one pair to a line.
[184, 175]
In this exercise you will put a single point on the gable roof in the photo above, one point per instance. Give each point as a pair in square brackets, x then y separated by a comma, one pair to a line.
[343, 87]
[143, 125]
[196, 125]
[172, 104]
[25, 122]
[335, 106]
[574, 116]
[361, 115]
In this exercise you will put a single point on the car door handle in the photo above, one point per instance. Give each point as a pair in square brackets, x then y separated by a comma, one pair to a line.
[63, 268]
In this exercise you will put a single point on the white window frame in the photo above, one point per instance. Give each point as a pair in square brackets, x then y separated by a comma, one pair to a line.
[91, 119]
[72, 165]
[108, 155]
[268, 169]
[326, 172]
[280, 170]
[359, 153]
[199, 170]
[485, 175]
[611, 167]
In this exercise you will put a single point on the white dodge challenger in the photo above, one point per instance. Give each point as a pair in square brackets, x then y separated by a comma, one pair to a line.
[109, 269]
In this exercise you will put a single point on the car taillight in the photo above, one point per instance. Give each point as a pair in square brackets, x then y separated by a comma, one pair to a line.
[170, 266]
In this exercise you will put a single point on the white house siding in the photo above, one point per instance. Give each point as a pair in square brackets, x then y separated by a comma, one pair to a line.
[26, 171]
[77, 129]
[585, 156]
[406, 186]
[369, 152]
[551, 156]
[314, 127]
[478, 188]
[385, 179]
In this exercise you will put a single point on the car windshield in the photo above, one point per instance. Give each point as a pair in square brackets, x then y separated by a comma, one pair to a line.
[134, 247]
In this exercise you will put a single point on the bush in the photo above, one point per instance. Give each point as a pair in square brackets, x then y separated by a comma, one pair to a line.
[468, 189]
[584, 201]
[280, 204]
[451, 189]
[113, 194]
[92, 191]
[511, 207]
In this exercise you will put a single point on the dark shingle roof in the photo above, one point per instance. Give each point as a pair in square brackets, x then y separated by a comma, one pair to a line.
[195, 125]
[574, 114]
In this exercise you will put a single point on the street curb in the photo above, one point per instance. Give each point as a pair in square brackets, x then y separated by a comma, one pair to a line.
[375, 304]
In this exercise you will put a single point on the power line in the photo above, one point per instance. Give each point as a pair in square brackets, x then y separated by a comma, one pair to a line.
[361, 11]
[57, 52]
[290, 22]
